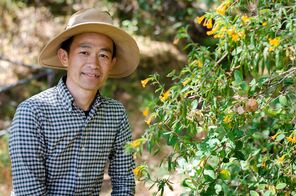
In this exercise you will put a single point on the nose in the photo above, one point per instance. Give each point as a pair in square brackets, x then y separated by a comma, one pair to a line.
[93, 62]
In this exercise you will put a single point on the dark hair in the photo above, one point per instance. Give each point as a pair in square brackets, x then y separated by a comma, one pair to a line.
[67, 44]
[114, 50]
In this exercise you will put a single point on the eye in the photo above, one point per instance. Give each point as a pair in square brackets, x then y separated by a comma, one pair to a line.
[84, 52]
[105, 56]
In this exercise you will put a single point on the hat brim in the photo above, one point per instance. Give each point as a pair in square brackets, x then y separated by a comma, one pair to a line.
[127, 51]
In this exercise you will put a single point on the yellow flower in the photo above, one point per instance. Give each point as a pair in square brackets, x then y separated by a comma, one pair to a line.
[221, 9]
[200, 19]
[225, 174]
[223, 29]
[235, 37]
[220, 35]
[291, 139]
[199, 63]
[264, 24]
[241, 34]
[146, 112]
[164, 96]
[281, 159]
[272, 188]
[210, 24]
[227, 119]
[214, 30]
[224, 171]
[274, 136]
[144, 82]
[210, 32]
[184, 83]
[138, 171]
[274, 42]
[245, 18]
[148, 121]
[231, 31]
[270, 49]
[136, 143]
[186, 94]
[263, 164]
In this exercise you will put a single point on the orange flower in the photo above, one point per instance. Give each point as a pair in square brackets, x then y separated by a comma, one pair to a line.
[231, 31]
[241, 34]
[184, 83]
[291, 139]
[245, 19]
[275, 135]
[220, 35]
[199, 63]
[210, 32]
[281, 159]
[274, 42]
[146, 112]
[136, 143]
[139, 171]
[148, 121]
[227, 119]
[164, 96]
[144, 82]
[200, 19]
[263, 164]
[210, 24]
[235, 37]
[221, 9]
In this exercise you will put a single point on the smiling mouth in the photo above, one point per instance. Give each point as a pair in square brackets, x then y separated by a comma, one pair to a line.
[91, 75]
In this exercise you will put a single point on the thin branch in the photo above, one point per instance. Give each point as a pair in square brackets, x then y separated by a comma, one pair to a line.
[221, 59]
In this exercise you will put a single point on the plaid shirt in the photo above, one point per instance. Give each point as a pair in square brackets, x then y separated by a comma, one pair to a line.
[56, 149]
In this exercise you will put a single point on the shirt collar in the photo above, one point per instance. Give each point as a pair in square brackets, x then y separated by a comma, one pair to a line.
[67, 99]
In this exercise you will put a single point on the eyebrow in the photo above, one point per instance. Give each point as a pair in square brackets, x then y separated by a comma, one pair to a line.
[88, 46]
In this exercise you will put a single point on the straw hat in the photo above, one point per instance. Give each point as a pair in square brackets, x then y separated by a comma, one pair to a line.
[94, 20]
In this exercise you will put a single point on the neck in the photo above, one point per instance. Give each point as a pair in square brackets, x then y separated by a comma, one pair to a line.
[82, 98]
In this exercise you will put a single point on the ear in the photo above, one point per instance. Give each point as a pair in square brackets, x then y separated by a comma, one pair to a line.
[63, 56]
[113, 62]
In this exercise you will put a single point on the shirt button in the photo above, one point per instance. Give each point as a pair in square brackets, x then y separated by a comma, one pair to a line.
[83, 148]
[79, 174]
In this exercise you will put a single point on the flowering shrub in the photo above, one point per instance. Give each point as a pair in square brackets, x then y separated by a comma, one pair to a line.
[229, 114]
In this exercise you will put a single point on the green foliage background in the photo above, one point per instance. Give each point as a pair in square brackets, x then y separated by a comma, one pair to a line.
[229, 114]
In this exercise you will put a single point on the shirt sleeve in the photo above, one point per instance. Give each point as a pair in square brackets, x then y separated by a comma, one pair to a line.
[122, 164]
[26, 148]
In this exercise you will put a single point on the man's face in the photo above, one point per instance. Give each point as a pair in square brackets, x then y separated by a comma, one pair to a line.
[89, 61]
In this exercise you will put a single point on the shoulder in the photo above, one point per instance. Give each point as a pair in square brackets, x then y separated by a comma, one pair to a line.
[113, 104]
[39, 100]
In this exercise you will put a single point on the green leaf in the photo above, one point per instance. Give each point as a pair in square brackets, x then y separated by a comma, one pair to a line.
[254, 193]
[238, 154]
[210, 173]
[238, 77]
[218, 188]
[194, 104]
[283, 100]
[172, 140]
[280, 137]
[261, 186]
[267, 193]
[280, 185]
[244, 86]
[188, 183]
[172, 73]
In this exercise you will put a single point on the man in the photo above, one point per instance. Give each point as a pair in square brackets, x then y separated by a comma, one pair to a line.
[62, 138]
